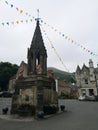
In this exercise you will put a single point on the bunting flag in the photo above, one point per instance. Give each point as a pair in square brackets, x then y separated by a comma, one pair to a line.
[6, 2]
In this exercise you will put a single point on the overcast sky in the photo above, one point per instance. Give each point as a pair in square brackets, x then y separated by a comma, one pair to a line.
[77, 19]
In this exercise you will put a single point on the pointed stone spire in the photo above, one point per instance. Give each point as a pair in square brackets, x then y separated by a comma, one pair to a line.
[37, 55]
[85, 68]
[37, 41]
[78, 70]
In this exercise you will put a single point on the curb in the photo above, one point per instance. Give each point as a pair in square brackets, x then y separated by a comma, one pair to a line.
[27, 119]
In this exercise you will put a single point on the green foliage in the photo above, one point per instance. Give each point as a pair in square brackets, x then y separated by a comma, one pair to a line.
[69, 77]
[7, 70]
[66, 96]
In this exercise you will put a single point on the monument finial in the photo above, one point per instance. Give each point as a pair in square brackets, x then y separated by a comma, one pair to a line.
[38, 13]
[37, 19]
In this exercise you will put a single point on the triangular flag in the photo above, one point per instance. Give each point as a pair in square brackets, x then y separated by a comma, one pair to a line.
[3, 24]
[41, 21]
[7, 23]
[21, 11]
[17, 9]
[66, 37]
[17, 22]
[12, 23]
[26, 21]
[11, 5]
[26, 13]
[31, 20]
[6, 2]
[21, 21]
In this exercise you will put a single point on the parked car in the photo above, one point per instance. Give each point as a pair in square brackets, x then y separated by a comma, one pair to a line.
[5, 94]
[90, 98]
[87, 98]
[96, 98]
[81, 98]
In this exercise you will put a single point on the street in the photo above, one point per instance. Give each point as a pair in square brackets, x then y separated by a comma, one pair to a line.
[79, 116]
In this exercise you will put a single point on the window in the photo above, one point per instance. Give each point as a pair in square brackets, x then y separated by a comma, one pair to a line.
[86, 81]
[91, 92]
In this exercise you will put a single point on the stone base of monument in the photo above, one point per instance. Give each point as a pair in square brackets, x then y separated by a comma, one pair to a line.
[26, 110]
[34, 94]
[50, 110]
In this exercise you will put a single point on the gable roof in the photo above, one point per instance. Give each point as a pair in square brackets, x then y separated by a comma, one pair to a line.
[85, 68]
[78, 70]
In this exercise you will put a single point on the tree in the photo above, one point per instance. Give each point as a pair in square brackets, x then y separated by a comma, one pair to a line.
[7, 70]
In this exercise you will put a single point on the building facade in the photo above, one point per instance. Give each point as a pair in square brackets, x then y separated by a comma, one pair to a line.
[87, 80]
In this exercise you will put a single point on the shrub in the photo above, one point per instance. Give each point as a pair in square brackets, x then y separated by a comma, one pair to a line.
[66, 96]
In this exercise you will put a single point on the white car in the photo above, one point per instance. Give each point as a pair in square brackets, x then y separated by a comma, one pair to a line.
[81, 98]
[86, 98]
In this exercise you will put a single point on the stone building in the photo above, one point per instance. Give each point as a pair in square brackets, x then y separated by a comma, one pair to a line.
[33, 88]
[22, 72]
[67, 88]
[87, 79]
[63, 86]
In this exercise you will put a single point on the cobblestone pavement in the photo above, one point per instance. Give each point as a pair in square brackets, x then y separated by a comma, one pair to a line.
[79, 116]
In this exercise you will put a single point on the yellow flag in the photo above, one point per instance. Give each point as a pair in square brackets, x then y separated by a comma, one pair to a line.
[17, 22]
[21, 11]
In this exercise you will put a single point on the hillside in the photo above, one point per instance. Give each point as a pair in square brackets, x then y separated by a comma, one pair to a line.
[69, 77]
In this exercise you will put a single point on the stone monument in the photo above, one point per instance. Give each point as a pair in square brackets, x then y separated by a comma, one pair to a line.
[37, 91]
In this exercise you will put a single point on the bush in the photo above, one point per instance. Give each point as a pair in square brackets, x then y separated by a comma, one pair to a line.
[66, 96]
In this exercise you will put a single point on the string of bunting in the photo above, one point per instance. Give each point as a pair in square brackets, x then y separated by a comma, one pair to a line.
[66, 37]
[21, 11]
[16, 22]
[54, 48]
[60, 59]
[69, 39]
